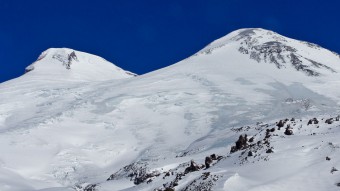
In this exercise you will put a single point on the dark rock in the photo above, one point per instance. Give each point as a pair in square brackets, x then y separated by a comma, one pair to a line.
[233, 149]
[313, 121]
[71, 57]
[250, 154]
[266, 142]
[334, 170]
[140, 178]
[206, 175]
[132, 171]
[241, 143]
[213, 157]
[251, 139]
[328, 158]
[193, 167]
[329, 121]
[288, 131]
[298, 64]
[309, 122]
[280, 124]
[269, 151]
[91, 187]
[207, 162]
[175, 182]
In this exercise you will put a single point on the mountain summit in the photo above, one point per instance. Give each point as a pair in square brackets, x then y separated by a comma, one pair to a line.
[68, 64]
[269, 47]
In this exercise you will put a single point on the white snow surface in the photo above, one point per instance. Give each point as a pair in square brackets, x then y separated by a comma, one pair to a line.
[69, 127]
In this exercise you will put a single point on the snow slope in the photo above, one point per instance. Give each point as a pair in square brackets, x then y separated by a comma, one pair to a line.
[75, 131]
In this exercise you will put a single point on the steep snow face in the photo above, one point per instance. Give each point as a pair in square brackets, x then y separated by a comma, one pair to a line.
[141, 133]
[68, 64]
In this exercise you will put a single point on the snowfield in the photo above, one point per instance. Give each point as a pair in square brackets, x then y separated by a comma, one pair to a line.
[75, 121]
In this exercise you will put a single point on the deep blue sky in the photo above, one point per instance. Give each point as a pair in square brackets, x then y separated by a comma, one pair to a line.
[144, 35]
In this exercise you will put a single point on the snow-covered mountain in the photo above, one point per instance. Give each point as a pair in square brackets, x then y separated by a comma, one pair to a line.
[70, 65]
[180, 127]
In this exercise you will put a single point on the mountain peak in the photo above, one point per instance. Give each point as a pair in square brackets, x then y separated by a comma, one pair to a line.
[265, 46]
[238, 35]
[64, 55]
[69, 64]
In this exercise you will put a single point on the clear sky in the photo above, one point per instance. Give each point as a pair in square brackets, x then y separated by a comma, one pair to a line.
[145, 35]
